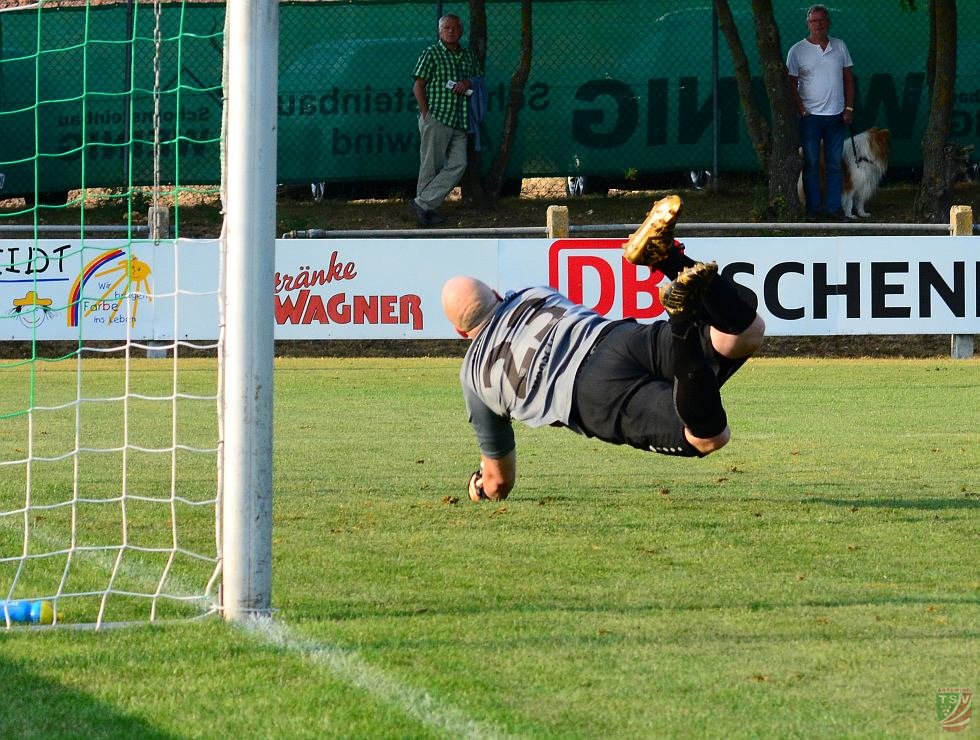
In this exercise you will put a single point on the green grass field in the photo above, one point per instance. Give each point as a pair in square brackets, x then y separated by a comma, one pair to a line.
[816, 578]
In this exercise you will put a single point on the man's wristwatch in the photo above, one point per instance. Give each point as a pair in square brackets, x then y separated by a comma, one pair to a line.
[849, 108]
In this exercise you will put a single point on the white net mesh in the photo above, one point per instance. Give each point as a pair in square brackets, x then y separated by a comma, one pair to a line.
[108, 459]
[109, 415]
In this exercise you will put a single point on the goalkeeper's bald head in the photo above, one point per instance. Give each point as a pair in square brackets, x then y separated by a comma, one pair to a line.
[468, 303]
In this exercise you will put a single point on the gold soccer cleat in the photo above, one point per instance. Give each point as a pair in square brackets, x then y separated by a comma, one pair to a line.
[649, 244]
[682, 298]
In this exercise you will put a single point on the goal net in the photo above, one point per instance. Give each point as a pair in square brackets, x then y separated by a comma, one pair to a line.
[111, 333]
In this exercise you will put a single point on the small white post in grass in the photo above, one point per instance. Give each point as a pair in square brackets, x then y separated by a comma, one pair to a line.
[557, 222]
[961, 224]
[249, 236]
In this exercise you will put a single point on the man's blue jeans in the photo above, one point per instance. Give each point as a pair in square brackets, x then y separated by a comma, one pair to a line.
[830, 130]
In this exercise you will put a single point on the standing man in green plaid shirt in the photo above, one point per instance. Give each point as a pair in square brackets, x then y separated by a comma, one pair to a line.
[443, 83]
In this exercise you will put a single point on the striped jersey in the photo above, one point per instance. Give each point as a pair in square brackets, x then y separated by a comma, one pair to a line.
[523, 365]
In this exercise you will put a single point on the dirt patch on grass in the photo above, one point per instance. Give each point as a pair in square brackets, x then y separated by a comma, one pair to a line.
[911, 346]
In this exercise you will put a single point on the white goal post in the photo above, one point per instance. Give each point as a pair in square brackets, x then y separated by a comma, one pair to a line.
[249, 185]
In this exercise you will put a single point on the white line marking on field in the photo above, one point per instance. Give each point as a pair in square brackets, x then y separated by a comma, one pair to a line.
[349, 666]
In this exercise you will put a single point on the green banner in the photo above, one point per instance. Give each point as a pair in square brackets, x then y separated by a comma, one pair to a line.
[616, 87]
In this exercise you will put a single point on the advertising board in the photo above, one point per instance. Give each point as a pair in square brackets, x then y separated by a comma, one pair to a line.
[390, 289]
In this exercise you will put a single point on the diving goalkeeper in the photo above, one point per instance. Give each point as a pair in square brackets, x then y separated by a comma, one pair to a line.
[541, 359]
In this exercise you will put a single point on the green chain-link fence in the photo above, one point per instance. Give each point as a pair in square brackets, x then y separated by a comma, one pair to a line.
[617, 88]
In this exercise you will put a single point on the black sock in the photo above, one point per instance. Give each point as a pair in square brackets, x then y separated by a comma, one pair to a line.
[675, 261]
[730, 307]
[697, 396]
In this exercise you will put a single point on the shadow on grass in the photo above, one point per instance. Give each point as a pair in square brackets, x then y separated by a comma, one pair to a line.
[925, 504]
[34, 706]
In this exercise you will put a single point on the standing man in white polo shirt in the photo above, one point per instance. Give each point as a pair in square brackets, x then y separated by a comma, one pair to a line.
[820, 76]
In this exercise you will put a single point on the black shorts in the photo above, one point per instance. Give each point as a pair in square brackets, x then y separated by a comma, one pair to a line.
[624, 392]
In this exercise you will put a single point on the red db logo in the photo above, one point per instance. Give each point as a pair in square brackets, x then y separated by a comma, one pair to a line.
[594, 273]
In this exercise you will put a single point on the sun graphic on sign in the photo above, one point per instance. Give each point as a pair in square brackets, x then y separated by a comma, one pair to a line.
[135, 273]
[128, 270]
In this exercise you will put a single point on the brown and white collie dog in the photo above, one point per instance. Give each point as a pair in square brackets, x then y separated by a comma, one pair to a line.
[865, 163]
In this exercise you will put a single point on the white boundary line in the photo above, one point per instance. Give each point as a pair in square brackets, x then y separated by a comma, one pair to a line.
[345, 665]
[350, 667]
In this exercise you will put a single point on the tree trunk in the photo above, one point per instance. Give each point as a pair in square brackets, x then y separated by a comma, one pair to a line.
[495, 178]
[755, 121]
[784, 157]
[941, 161]
[478, 30]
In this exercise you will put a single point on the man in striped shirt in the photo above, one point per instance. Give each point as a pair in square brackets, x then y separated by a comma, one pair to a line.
[443, 77]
